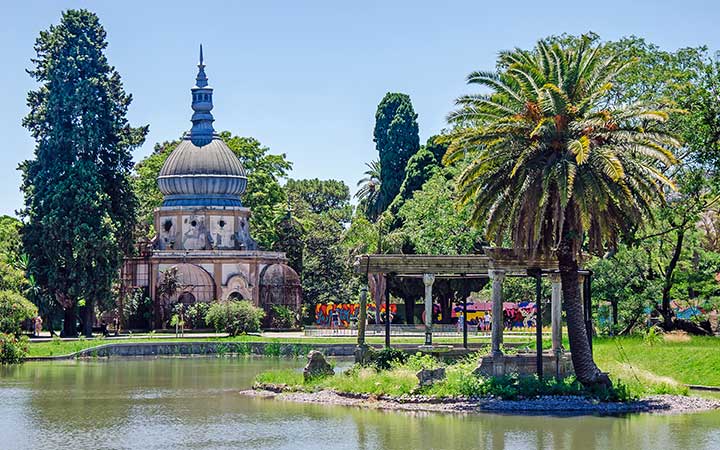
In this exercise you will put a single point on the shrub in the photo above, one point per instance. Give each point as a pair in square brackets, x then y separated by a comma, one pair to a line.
[386, 358]
[234, 317]
[282, 317]
[196, 313]
[13, 349]
[14, 310]
[420, 361]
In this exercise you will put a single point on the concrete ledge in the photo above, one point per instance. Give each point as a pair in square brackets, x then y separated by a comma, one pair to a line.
[525, 364]
[188, 348]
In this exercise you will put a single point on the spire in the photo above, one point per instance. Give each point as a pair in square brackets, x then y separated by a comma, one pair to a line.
[202, 131]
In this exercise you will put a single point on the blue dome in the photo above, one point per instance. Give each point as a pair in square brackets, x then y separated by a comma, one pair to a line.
[202, 171]
[208, 175]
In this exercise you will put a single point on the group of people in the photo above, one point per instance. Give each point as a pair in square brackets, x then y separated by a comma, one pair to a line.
[484, 322]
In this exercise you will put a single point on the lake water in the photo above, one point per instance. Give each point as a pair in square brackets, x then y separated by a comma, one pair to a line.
[193, 404]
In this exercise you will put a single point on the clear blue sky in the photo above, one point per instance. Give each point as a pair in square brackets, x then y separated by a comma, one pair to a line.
[305, 77]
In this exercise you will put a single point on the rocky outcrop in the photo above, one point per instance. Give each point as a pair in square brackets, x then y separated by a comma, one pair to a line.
[317, 366]
[426, 377]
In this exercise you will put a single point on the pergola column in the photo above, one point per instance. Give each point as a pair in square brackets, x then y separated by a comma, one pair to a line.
[556, 313]
[361, 349]
[497, 277]
[428, 280]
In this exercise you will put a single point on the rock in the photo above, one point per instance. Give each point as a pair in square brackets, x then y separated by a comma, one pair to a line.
[427, 377]
[317, 366]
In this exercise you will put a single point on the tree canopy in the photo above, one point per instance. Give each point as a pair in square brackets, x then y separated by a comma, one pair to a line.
[396, 140]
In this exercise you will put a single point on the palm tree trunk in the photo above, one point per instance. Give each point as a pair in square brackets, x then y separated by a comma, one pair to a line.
[586, 371]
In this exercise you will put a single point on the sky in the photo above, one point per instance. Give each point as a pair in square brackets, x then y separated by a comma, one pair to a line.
[305, 77]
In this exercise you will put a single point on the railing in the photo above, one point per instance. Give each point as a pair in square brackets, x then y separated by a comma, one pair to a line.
[439, 330]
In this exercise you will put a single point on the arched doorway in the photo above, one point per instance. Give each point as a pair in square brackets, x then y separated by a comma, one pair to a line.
[186, 298]
[236, 296]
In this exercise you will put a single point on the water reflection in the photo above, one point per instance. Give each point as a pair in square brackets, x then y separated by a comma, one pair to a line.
[193, 404]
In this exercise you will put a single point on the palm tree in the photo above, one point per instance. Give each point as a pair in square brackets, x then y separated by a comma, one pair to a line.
[553, 166]
[369, 191]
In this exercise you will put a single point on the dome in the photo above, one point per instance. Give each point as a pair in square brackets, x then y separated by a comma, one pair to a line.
[193, 280]
[279, 286]
[202, 170]
[207, 175]
[276, 275]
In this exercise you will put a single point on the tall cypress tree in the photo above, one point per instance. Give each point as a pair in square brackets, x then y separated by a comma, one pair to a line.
[79, 205]
[396, 140]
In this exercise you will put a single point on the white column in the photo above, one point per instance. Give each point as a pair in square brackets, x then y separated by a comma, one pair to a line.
[556, 313]
[428, 280]
[497, 277]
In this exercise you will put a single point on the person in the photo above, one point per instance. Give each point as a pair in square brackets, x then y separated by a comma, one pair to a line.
[38, 325]
[104, 328]
[334, 320]
[460, 322]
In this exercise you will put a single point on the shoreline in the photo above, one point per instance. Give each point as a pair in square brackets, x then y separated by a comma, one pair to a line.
[548, 405]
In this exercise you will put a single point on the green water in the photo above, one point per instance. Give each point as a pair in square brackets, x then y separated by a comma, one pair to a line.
[193, 404]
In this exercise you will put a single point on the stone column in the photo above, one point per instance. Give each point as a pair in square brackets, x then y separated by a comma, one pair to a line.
[556, 313]
[497, 277]
[362, 316]
[362, 348]
[428, 280]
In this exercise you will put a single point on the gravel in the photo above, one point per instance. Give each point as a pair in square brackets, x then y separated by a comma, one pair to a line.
[556, 405]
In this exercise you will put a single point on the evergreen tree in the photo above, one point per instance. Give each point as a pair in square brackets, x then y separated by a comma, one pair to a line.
[396, 140]
[79, 204]
[420, 168]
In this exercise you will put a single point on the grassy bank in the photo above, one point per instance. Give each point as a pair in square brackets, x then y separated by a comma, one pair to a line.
[639, 367]
[400, 380]
[672, 359]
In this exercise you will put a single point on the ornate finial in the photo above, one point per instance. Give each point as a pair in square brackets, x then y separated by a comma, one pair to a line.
[202, 131]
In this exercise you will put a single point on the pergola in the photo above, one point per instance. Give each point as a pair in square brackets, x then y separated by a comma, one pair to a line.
[495, 264]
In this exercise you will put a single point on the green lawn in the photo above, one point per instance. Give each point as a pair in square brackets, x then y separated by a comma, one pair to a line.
[696, 361]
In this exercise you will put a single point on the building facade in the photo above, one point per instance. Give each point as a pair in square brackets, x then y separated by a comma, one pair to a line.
[203, 230]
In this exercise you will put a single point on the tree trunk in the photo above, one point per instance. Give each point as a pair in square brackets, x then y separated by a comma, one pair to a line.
[586, 371]
[69, 326]
[615, 321]
[666, 310]
[409, 311]
[88, 319]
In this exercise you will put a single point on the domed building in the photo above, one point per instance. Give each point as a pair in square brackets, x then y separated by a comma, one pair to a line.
[203, 229]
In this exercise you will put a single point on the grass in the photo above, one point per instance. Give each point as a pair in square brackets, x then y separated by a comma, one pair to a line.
[400, 379]
[638, 367]
[691, 360]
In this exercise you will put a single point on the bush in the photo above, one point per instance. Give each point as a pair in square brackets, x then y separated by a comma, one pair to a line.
[195, 315]
[14, 310]
[13, 349]
[234, 317]
[282, 317]
[386, 358]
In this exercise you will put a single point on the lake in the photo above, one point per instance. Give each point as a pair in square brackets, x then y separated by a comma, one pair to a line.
[192, 403]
